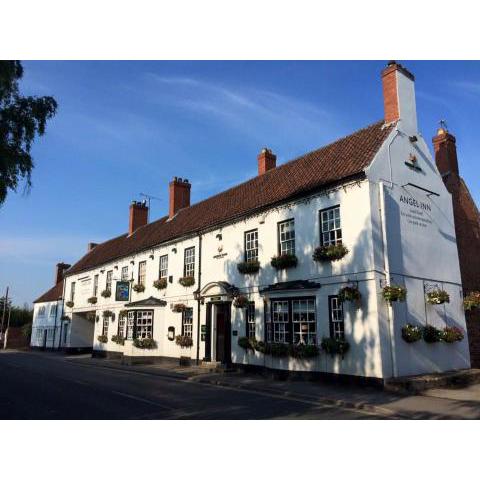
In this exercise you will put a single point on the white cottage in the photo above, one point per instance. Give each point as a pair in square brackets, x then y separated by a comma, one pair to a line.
[292, 269]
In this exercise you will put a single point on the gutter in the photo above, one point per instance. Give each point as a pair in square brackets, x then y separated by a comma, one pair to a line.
[198, 299]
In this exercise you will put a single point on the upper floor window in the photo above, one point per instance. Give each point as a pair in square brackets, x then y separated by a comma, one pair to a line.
[337, 324]
[189, 265]
[124, 276]
[72, 291]
[53, 310]
[251, 246]
[250, 320]
[187, 322]
[163, 272]
[108, 283]
[95, 285]
[286, 237]
[330, 228]
[142, 272]
[41, 311]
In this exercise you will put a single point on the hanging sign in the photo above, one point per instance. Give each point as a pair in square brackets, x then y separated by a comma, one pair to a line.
[122, 292]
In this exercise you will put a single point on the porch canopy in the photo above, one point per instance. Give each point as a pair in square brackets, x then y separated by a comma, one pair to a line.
[147, 302]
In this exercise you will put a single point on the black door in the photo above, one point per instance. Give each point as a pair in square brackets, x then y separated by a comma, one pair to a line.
[44, 339]
[223, 344]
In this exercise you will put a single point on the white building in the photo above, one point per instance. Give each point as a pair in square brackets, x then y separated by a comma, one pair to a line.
[377, 192]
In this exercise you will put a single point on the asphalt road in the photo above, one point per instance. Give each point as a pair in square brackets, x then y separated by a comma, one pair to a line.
[48, 386]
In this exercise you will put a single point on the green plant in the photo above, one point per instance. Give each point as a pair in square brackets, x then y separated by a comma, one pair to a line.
[349, 294]
[160, 284]
[241, 301]
[335, 346]
[146, 343]
[471, 301]
[431, 334]
[184, 341]
[102, 338]
[411, 333]
[304, 351]
[277, 349]
[258, 345]
[106, 293]
[186, 281]
[138, 287]
[92, 300]
[27, 330]
[285, 260]
[107, 313]
[252, 266]
[122, 313]
[246, 343]
[179, 307]
[330, 253]
[69, 304]
[437, 297]
[67, 318]
[394, 293]
[119, 339]
[452, 334]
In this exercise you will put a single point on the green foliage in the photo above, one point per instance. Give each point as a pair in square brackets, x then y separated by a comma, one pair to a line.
[252, 266]
[21, 120]
[147, 343]
[452, 334]
[27, 330]
[281, 262]
[160, 284]
[349, 294]
[411, 333]
[471, 301]
[394, 293]
[184, 341]
[69, 304]
[330, 253]
[438, 297]
[19, 316]
[277, 349]
[106, 293]
[92, 300]
[186, 281]
[431, 334]
[102, 338]
[304, 351]
[334, 346]
[245, 343]
[138, 287]
[118, 339]
[241, 301]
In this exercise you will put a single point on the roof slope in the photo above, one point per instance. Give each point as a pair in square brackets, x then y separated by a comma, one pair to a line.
[52, 295]
[340, 160]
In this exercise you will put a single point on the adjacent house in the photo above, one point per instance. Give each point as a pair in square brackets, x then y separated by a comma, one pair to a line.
[351, 247]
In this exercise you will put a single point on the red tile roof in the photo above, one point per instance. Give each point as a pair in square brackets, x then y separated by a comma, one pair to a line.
[55, 293]
[346, 158]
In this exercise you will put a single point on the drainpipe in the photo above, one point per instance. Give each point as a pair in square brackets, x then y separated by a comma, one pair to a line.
[397, 132]
[56, 315]
[198, 299]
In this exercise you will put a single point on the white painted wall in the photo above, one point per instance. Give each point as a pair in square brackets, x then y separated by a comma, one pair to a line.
[46, 322]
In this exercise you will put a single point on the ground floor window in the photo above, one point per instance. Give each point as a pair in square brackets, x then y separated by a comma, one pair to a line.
[122, 323]
[250, 320]
[304, 321]
[39, 336]
[105, 326]
[337, 324]
[130, 325]
[139, 324]
[187, 322]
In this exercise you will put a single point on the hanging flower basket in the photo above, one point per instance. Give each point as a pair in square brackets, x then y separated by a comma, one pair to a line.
[118, 339]
[334, 346]
[122, 313]
[69, 304]
[452, 334]
[92, 300]
[394, 293]
[179, 307]
[277, 349]
[411, 333]
[281, 262]
[107, 313]
[304, 351]
[437, 297]
[102, 338]
[330, 253]
[145, 343]
[252, 266]
[160, 284]
[106, 293]
[246, 343]
[258, 345]
[186, 281]
[349, 294]
[184, 341]
[432, 334]
[241, 301]
[471, 301]
[66, 318]
[138, 287]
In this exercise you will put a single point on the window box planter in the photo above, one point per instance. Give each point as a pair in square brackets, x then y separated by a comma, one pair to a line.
[252, 266]
[179, 308]
[122, 313]
[240, 302]
[184, 341]
[69, 304]
[102, 338]
[92, 300]
[107, 313]
[411, 333]
[471, 301]
[394, 293]
[277, 349]
[247, 343]
[65, 318]
[438, 297]
[281, 262]
[349, 294]
[258, 345]
[452, 334]
[186, 281]
[146, 343]
[304, 351]
[106, 293]
[138, 287]
[330, 253]
[334, 346]
[160, 284]
[118, 339]
[432, 334]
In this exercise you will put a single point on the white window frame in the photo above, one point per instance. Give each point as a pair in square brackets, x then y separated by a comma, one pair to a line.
[108, 280]
[337, 317]
[53, 310]
[105, 326]
[163, 266]
[72, 291]
[286, 237]
[251, 245]
[304, 321]
[189, 262]
[330, 226]
[187, 322]
[42, 310]
[95, 285]
[144, 324]
[124, 274]
[281, 321]
[142, 272]
[250, 320]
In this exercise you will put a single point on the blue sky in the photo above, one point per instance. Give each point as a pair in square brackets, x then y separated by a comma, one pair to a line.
[128, 127]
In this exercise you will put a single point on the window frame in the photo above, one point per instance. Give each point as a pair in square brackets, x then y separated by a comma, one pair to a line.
[124, 278]
[105, 324]
[95, 285]
[279, 241]
[163, 257]
[320, 212]
[185, 274]
[250, 321]
[143, 263]
[131, 323]
[42, 311]
[72, 291]
[53, 310]
[187, 332]
[330, 318]
[109, 280]
[245, 243]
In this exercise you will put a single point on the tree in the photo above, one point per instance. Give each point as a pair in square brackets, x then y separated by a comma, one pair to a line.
[21, 119]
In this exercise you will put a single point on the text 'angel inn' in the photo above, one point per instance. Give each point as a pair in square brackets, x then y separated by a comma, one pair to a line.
[334, 262]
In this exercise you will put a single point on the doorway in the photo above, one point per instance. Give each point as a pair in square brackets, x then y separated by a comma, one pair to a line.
[218, 339]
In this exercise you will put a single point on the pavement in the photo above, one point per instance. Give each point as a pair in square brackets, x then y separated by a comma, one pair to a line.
[42, 385]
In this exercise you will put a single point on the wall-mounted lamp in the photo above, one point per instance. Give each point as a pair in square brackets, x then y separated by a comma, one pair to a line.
[151, 256]
[116, 267]
[219, 236]
[174, 249]
[132, 262]
[102, 270]
[413, 138]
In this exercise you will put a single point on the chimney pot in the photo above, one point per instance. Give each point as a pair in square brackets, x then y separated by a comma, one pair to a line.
[267, 160]
[138, 216]
[91, 246]
[60, 271]
[179, 195]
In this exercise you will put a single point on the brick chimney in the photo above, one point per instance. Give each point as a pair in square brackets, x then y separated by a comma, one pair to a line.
[60, 270]
[444, 146]
[266, 161]
[138, 216]
[399, 97]
[179, 195]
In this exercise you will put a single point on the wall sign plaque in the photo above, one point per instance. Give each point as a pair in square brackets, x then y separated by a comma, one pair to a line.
[122, 292]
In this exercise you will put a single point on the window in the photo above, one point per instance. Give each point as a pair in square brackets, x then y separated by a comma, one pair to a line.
[251, 246]
[144, 324]
[50, 333]
[142, 270]
[105, 326]
[304, 322]
[330, 230]
[189, 265]
[72, 291]
[163, 267]
[250, 320]
[130, 325]
[293, 321]
[122, 323]
[337, 324]
[187, 322]
[95, 285]
[286, 236]
[124, 276]
[53, 310]
[108, 284]
[41, 311]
